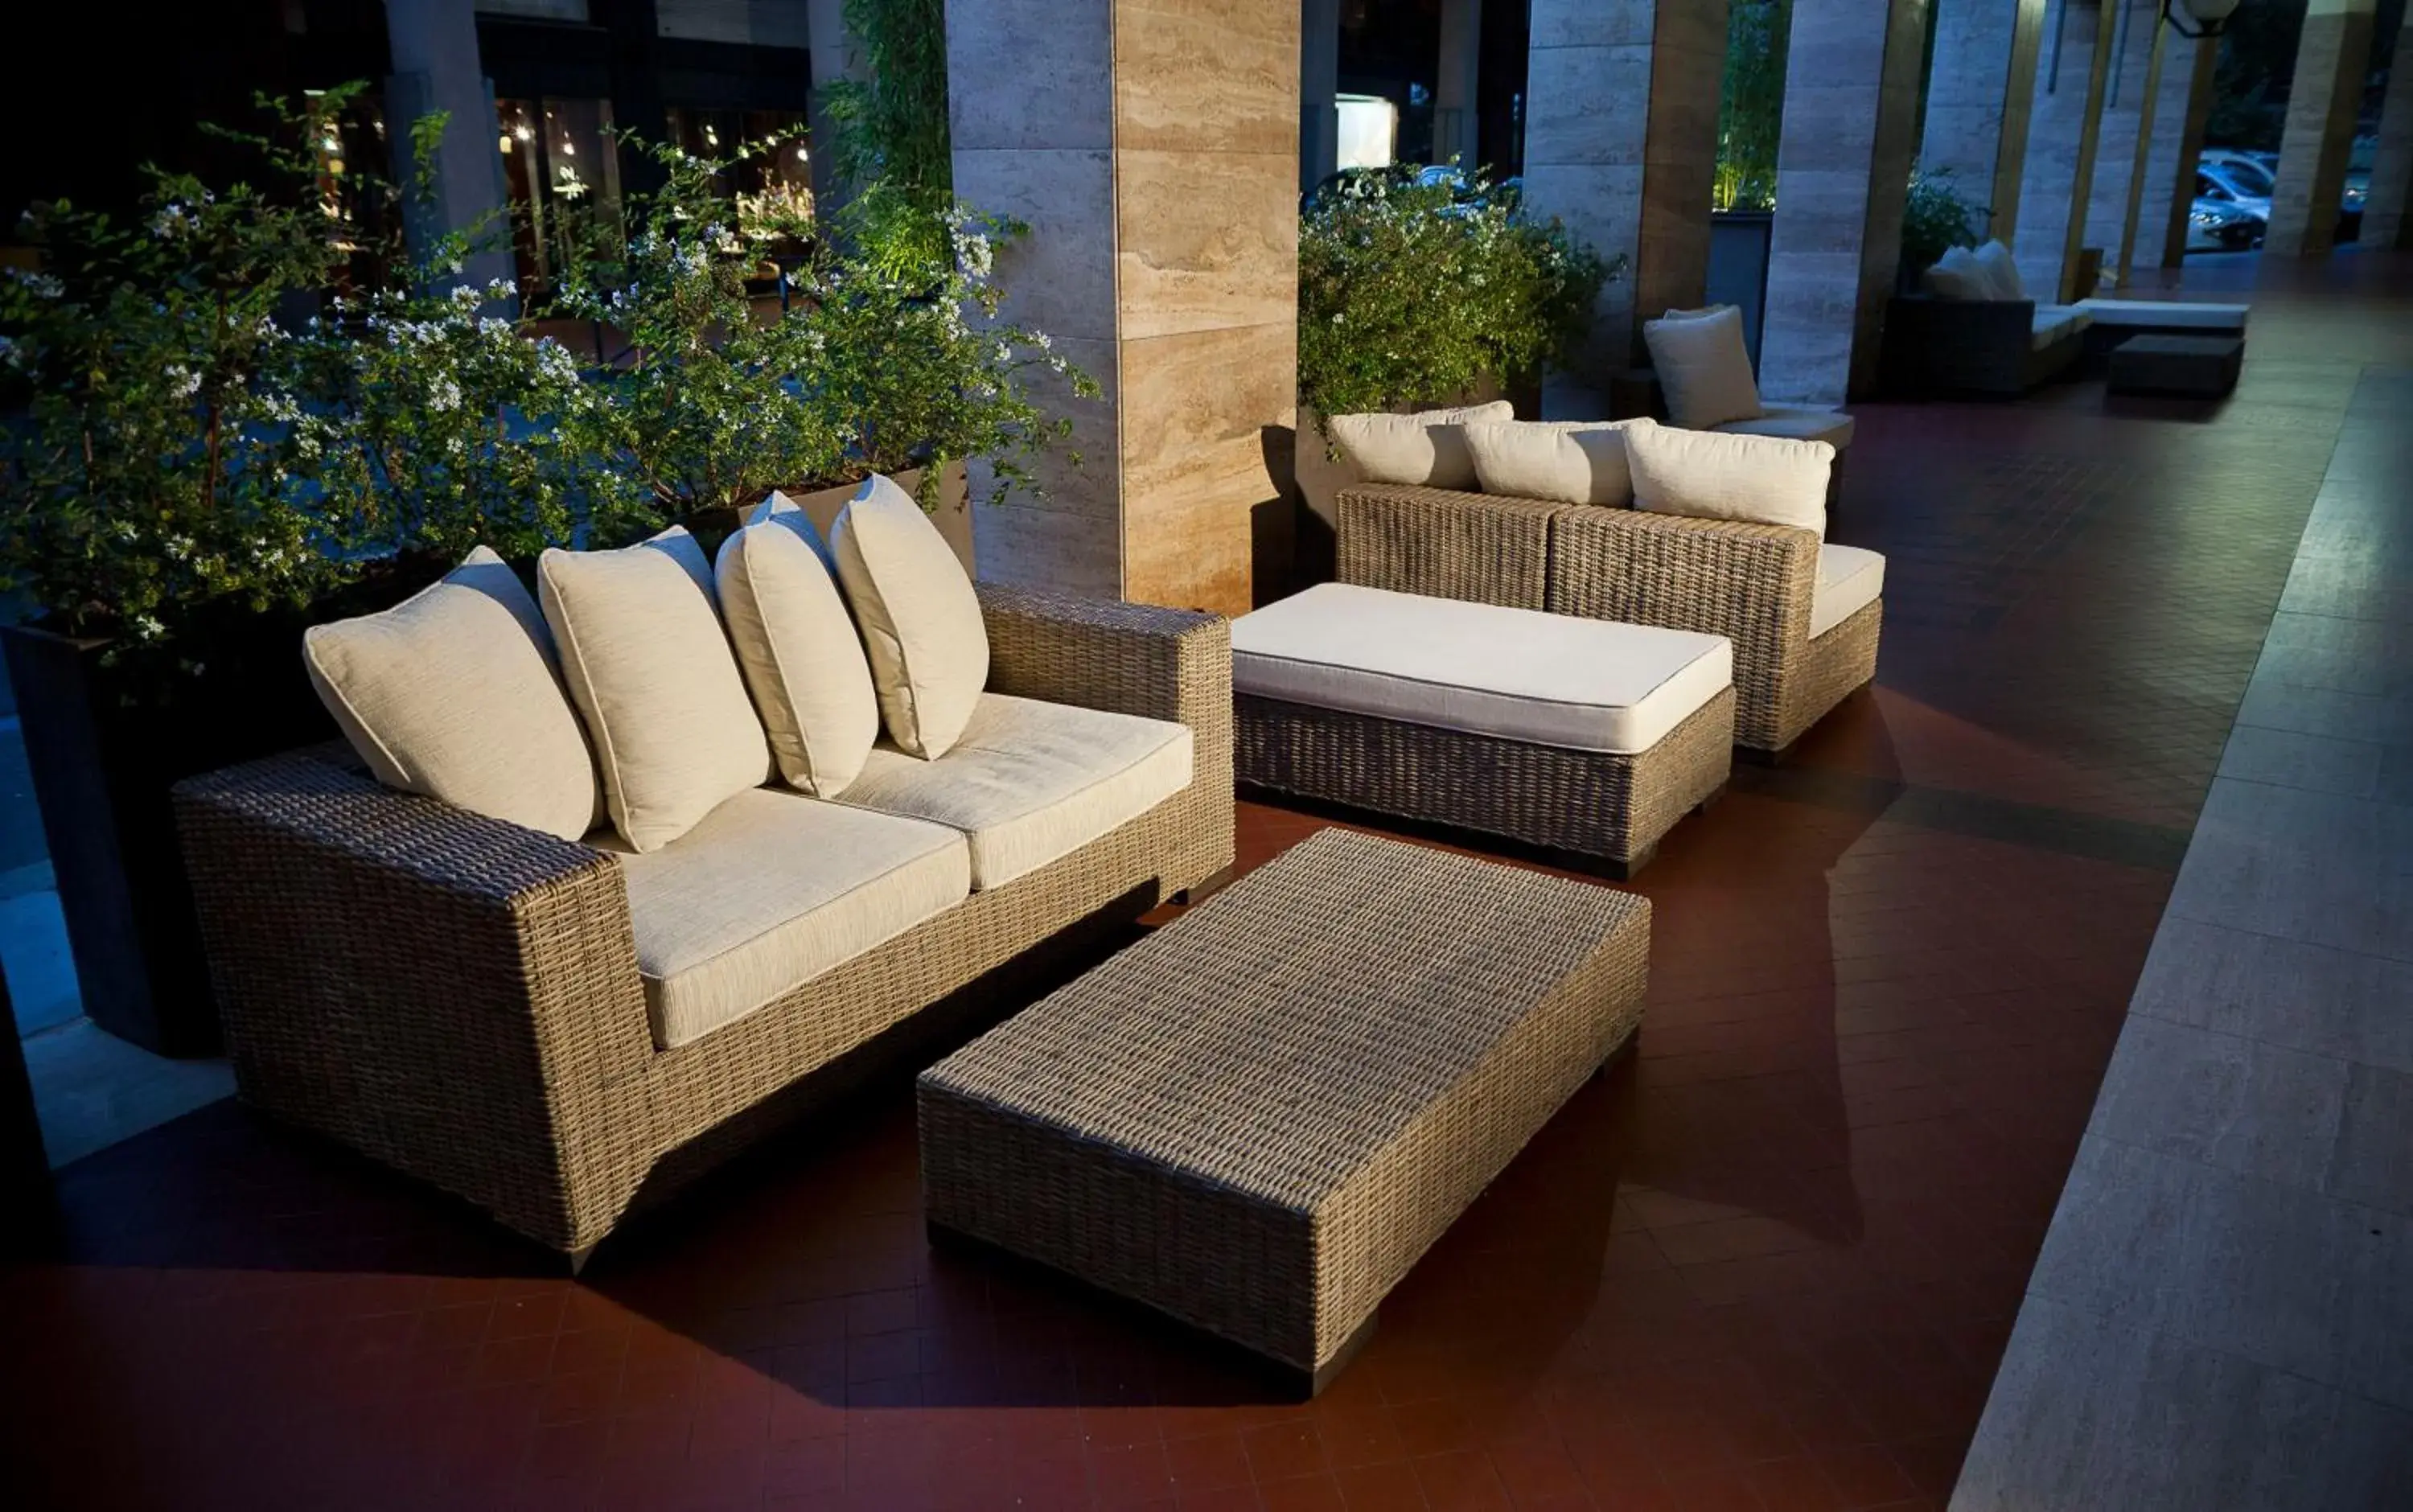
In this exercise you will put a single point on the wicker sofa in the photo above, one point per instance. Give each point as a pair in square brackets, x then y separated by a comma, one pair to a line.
[1993, 349]
[1759, 586]
[460, 998]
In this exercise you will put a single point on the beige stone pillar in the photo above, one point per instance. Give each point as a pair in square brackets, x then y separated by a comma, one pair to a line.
[2182, 105]
[834, 56]
[1152, 146]
[1620, 143]
[1457, 83]
[1843, 174]
[2387, 217]
[2058, 182]
[2124, 131]
[2331, 60]
[1978, 98]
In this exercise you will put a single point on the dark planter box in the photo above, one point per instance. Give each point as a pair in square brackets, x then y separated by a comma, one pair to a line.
[105, 744]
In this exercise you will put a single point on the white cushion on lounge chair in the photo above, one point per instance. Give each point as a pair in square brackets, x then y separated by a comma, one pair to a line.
[797, 644]
[1483, 669]
[1956, 276]
[1796, 422]
[1703, 367]
[767, 892]
[1029, 782]
[2057, 322]
[2165, 315]
[921, 619]
[1850, 579]
[1999, 271]
[1565, 462]
[1718, 475]
[1427, 448]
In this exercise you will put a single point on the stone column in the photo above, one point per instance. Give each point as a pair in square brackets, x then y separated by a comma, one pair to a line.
[2331, 60]
[2123, 131]
[1843, 174]
[437, 67]
[2059, 181]
[834, 58]
[1621, 142]
[1153, 151]
[1978, 98]
[1459, 86]
[2387, 217]
[2182, 105]
[1319, 83]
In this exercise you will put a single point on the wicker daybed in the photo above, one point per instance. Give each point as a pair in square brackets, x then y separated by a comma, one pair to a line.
[460, 998]
[1759, 586]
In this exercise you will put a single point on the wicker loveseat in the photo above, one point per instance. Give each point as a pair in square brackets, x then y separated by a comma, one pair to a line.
[460, 998]
[1762, 587]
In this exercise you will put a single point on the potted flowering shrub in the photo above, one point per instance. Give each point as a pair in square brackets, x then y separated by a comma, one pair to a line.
[882, 360]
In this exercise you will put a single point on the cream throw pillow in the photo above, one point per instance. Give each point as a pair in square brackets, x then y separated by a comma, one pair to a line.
[1703, 367]
[1574, 462]
[920, 618]
[779, 510]
[453, 693]
[650, 669]
[797, 645]
[1999, 269]
[1427, 448]
[1720, 475]
[1957, 276]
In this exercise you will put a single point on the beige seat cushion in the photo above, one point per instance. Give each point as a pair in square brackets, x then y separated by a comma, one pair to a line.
[1797, 423]
[1850, 579]
[1031, 781]
[1703, 367]
[1994, 263]
[651, 671]
[921, 620]
[1427, 448]
[803, 660]
[1570, 462]
[1718, 476]
[771, 890]
[454, 693]
[1511, 674]
[2056, 322]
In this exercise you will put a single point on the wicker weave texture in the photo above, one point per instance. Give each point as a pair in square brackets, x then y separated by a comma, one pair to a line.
[1588, 802]
[459, 998]
[1260, 1118]
[1479, 548]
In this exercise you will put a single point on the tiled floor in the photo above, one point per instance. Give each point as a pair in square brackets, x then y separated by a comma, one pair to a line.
[1771, 1263]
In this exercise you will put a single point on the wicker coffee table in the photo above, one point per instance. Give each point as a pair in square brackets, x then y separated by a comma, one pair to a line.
[1257, 1119]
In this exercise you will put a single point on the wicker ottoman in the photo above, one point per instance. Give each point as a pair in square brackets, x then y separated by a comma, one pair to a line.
[1577, 735]
[1258, 1119]
[2198, 368]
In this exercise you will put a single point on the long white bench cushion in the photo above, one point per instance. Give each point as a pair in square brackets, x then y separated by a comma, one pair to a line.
[768, 891]
[2055, 322]
[1031, 781]
[1796, 422]
[1849, 580]
[2159, 315]
[1511, 674]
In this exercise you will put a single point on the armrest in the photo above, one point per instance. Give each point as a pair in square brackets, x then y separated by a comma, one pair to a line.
[1446, 545]
[453, 995]
[1749, 583]
[1102, 654]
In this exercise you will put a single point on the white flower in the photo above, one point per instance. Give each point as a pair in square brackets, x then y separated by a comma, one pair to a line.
[40, 285]
[146, 627]
[444, 394]
[182, 381]
[1041, 340]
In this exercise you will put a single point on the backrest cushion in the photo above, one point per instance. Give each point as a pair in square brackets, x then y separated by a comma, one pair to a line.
[797, 645]
[1957, 276]
[650, 669]
[1703, 367]
[920, 618]
[1427, 448]
[2000, 271]
[779, 510]
[454, 693]
[1570, 462]
[1722, 476]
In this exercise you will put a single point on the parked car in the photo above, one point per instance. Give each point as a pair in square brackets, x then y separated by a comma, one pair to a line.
[2223, 226]
[2251, 175]
[2231, 184]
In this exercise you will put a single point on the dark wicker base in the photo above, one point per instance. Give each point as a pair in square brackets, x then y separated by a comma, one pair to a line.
[1612, 808]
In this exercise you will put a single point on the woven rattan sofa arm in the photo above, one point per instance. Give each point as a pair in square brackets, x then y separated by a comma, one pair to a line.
[1102, 654]
[455, 996]
[1446, 545]
[1749, 583]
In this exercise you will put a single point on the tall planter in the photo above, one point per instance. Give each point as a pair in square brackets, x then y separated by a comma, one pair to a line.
[106, 743]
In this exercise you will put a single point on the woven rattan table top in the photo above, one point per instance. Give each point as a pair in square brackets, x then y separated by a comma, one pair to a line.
[1278, 1036]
